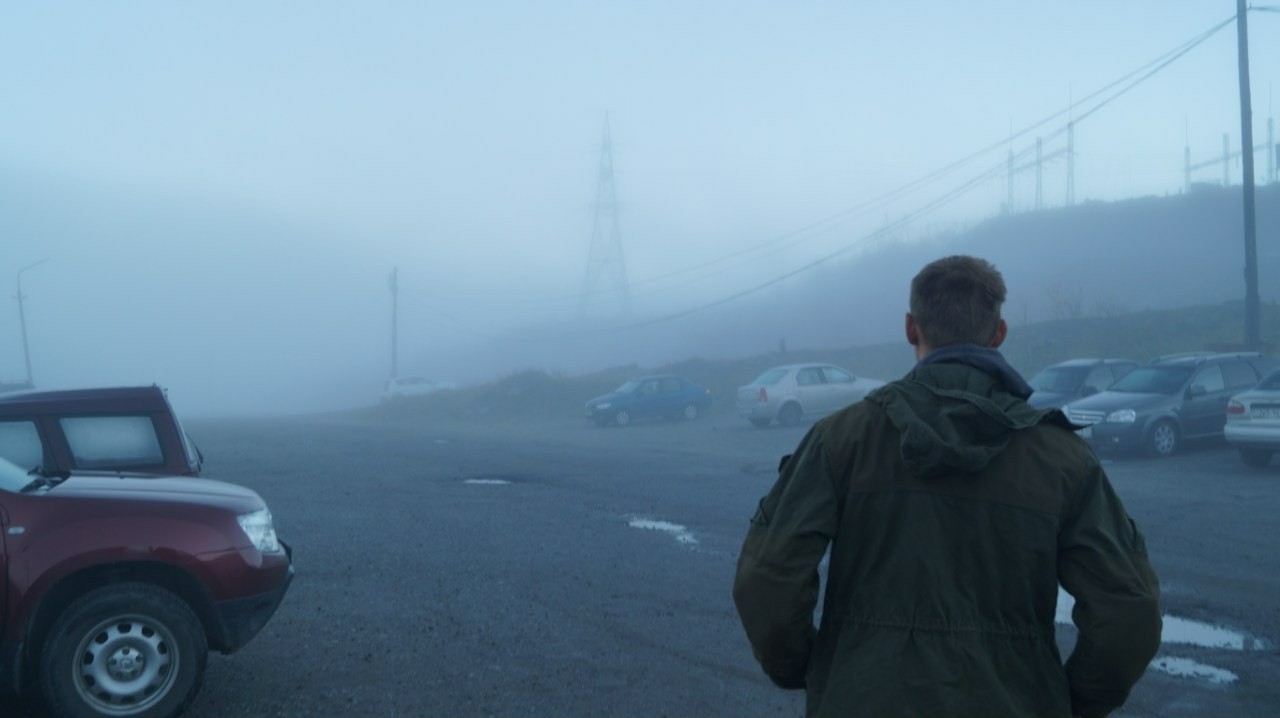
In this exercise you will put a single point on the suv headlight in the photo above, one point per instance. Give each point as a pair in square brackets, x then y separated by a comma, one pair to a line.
[258, 527]
[1123, 416]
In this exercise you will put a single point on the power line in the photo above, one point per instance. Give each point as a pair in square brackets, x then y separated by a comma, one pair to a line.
[1133, 78]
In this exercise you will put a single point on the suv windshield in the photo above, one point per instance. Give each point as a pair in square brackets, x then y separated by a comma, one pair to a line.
[1154, 380]
[1059, 379]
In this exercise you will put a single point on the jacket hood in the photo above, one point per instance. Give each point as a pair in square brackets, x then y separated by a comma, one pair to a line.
[957, 409]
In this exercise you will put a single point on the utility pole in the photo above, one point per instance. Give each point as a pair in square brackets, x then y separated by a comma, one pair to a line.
[1039, 177]
[1071, 163]
[22, 321]
[1226, 160]
[1252, 304]
[1271, 154]
[395, 321]
[1009, 204]
[1186, 157]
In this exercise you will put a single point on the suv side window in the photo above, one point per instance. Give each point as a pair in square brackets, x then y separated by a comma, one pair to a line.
[98, 441]
[1210, 379]
[1239, 375]
[20, 443]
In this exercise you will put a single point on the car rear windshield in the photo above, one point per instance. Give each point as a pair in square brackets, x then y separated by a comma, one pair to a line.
[1059, 379]
[770, 377]
[1154, 380]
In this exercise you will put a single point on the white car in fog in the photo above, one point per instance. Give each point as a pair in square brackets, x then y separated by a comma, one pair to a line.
[795, 391]
[407, 386]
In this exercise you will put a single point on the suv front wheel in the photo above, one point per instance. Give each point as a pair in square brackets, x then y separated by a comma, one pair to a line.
[1162, 440]
[126, 649]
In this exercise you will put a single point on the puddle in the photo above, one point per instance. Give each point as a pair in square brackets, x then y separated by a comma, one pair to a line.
[487, 482]
[680, 533]
[1187, 668]
[1181, 630]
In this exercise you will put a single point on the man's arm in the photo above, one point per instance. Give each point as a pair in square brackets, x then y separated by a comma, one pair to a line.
[1103, 564]
[776, 587]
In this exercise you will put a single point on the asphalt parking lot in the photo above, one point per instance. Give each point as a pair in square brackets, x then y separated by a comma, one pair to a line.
[558, 568]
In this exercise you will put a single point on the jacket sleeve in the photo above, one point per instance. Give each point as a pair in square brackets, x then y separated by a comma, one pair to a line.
[1102, 562]
[776, 586]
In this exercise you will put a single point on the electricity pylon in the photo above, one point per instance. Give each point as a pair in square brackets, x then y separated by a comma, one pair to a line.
[606, 281]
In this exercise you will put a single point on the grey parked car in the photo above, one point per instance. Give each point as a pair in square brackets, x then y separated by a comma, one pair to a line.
[793, 392]
[1073, 379]
[1158, 405]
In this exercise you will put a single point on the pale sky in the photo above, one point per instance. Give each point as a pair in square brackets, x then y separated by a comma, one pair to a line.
[459, 142]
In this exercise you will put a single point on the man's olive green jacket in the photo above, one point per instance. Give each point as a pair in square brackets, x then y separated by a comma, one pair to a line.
[953, 510]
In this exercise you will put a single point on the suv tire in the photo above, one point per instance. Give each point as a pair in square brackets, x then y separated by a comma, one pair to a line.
[1162, 439]
[622, 417]
[125, 649]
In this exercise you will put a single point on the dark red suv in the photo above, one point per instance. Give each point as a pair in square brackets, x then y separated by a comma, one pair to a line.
[114, 587]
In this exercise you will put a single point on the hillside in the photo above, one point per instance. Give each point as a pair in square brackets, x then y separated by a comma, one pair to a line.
[1141, 335]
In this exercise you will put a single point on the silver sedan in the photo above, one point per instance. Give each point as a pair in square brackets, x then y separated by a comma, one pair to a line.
[792, 392]
[1253, 421]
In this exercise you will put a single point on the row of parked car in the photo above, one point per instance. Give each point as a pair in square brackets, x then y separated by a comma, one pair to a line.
[786, 394]
[1156, 406]
[1121, 404]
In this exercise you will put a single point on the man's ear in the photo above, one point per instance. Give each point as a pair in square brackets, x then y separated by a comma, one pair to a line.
[913, 332]
[1002, 329]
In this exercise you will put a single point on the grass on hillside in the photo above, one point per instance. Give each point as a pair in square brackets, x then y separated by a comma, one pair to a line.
[535, 394]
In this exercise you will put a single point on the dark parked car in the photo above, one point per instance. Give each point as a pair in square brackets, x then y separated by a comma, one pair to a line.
[132, 429]
[116, 588]
[1073, 379]
[1158, 405]
[666, 396]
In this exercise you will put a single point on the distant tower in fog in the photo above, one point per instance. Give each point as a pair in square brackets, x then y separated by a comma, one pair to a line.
[606, 290]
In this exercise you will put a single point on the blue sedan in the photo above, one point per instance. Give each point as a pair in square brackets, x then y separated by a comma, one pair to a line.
[665, 396]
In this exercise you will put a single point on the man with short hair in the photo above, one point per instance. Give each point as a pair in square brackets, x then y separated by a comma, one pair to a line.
[953, 510]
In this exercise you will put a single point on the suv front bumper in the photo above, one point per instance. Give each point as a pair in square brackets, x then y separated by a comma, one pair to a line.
[242, 618]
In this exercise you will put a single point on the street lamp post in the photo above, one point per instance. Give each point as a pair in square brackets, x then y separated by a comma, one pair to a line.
[22, 320]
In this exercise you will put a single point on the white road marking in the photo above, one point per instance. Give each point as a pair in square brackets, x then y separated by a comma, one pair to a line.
[680, 533]
[1187, 668]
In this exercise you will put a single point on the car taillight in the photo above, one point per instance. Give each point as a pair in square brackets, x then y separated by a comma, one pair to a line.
[1235, 407]
[764, 395]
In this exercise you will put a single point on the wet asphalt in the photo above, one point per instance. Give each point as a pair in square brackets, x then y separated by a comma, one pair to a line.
[563, 569]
